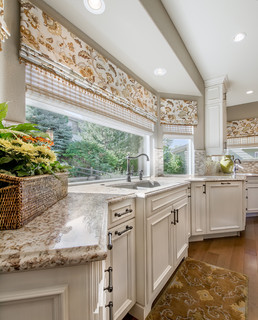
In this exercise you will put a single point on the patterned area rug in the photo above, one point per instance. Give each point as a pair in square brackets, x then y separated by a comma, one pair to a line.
[200, 291]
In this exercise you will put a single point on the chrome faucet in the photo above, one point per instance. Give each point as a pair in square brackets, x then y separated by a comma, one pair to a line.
[236, 166]
[128, 170]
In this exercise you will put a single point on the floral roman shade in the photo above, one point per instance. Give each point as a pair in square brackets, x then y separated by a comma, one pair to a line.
[47, 43]
[178, 112]
[4, 33]
[242, 128]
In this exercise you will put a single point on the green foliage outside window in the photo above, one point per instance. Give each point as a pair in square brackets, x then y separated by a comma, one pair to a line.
[173, 163]
[83, 144]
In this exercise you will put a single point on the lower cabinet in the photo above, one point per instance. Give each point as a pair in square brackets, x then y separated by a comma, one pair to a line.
[167, 243]
[217, 207]
[120, 277]
[160, 244]
[180, 230]
[252, 195]
[64, 293]
[162, 230]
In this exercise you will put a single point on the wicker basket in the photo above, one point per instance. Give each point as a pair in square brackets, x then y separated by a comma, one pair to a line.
[22, 199]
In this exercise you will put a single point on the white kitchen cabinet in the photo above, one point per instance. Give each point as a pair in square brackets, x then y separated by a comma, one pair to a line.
[215, 116]
[217, 208]
[120, 280]
[121, 258]
[224, 206]
[180, 230]
[198, 208]
[252, 195]
[68, 293]
[159, 249]
[161, 243]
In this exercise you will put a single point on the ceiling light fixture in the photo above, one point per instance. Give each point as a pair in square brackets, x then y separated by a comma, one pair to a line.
[160, 71]
[95, 6]
[239, 37]
[249, 92]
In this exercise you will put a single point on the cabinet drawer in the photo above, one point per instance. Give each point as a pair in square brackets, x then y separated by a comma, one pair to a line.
[164, 199]
[120, 211]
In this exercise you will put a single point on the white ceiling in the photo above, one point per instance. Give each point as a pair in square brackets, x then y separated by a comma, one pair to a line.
[207, 27]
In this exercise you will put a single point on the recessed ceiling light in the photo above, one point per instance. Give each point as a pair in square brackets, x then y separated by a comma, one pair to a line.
[95, 6]
[160, 71]
[239, 37]
[249, 92]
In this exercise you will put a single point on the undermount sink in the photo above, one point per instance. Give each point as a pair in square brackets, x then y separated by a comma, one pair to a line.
[137, 185]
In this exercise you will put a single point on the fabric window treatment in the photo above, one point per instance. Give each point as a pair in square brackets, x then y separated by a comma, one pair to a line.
[48, 44]
[178, 130]
[4, 32]
[242, 132]
[45, 84]
[178, 112]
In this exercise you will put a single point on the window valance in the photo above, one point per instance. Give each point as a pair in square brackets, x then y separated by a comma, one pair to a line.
[4, 33]
[47, 43]
[178, 112]
[242, 128]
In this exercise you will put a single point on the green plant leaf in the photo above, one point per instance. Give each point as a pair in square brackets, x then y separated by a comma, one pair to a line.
[24, 127]
[5, 160]
[6, 172]
[3, 110]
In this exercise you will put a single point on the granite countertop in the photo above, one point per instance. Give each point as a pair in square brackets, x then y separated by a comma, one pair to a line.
[73, 231]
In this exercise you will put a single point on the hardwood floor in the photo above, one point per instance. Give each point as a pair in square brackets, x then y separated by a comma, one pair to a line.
[236, 253]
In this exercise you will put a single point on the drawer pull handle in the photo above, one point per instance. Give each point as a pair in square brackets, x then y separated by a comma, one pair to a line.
[110, 306]
[123, 213]
[177, 216]
[225, 183]
[174, 222]
[109, 288]
[204, 188]
[110, 245]
[127, 228]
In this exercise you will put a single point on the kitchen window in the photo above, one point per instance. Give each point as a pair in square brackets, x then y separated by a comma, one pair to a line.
[177, 154]
[94, 147]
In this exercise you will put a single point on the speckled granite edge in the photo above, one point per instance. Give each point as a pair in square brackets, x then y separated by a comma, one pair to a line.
[53, 259]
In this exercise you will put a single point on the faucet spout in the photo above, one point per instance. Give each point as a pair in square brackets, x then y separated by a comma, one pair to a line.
[236, 166]
[128, 170]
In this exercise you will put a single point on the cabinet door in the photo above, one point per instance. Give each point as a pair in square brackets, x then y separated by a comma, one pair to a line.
[224, 206]
[122, 260]
[159, 250]
[252, 197]
[198, 208]
[180, 230]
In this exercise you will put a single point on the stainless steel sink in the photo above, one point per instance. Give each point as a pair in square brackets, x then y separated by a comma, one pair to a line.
[145, 184]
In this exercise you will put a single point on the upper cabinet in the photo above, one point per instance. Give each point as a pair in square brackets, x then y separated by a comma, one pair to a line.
[215, 116]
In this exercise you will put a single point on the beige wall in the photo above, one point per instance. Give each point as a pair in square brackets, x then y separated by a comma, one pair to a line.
[242, 111]
[12, 73]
